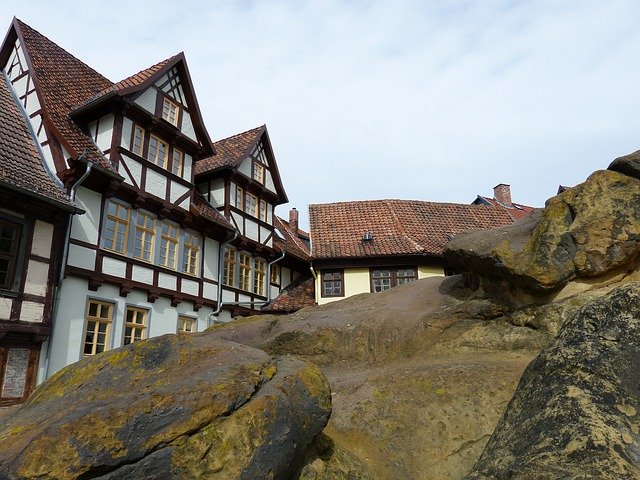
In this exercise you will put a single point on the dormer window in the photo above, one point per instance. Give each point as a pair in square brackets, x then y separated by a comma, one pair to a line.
[158, 151]
[170, 112]
[258, 172]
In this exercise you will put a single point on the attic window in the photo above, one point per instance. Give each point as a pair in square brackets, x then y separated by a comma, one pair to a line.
[170, 112]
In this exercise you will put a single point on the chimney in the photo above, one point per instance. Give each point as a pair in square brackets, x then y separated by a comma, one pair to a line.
[502, 193]
[293, 220]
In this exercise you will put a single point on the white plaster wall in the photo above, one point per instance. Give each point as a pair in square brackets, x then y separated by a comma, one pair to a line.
[245, 167]
[210, 291]
[42, 237]
[239, 220]
[85, 227]
[251, 229]
[177, 191]
[142, 274]
[185, 203]
[162, 80]
[5, 308]
[228, 296]
[156, 184]
[211, 257]
[127, 127]
[36, 122]
[269, 213]
[134, 167]
[32, 312]
[105, 132]
[33, 104]
[37, 278]
[190, 287]
[187, 166]
[167, 281]
[20, 85]
[275, 291]
[217, 192]
[244, 298]
[147, 100]
[81, 257]
[264, 233]
[224, 316]
[112, 266]
[268, 182]
[187, 126]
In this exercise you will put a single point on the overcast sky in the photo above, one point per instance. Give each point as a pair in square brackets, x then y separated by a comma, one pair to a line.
[407, 99]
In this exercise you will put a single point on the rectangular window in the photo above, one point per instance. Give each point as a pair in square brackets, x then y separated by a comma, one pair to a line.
[138, 140]
[158, 151]
[9, 243]
[245, 272]
[98, 327]
[169, 246]
[229, 274]
[190, 253]
[258, 172]
[332, 283]
[259, 274]
[186, 324]
[384, 279]
[263, 210]
[177, 162]
[143, 240]
[170, 112]
[251, 204]
[239, 198]
[135, 327]
[275, 274]
[117, 227]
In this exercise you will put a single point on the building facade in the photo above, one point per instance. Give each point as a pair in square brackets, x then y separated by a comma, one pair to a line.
[371, 246]
[170, 233]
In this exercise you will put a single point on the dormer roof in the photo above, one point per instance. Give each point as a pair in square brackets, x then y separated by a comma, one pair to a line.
[232, 151]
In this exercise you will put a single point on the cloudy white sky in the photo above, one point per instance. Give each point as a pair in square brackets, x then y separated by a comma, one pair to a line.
[429, 100]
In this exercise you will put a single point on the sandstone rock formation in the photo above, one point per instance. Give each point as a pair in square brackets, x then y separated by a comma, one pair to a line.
[585, 231]
[177, 406]
[575, 414]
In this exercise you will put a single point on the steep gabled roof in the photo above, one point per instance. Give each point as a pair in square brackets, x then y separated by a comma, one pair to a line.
[201, 208]
[61, 81]
[291, 244]
[144, 79]
[399, 227]
[21, 166]
[231, 151]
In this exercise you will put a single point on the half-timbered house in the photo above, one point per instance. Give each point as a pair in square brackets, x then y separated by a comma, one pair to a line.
[150, 251]
[34, 214]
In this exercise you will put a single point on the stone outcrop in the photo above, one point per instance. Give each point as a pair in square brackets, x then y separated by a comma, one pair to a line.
[177, 406]
[627, 164]
[584, 232]
[576, 411]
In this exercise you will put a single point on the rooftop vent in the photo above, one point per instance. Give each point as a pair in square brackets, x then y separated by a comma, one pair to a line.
[367, 237]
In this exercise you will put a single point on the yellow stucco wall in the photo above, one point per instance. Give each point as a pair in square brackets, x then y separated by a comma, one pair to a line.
[356, 280]
[424, 272]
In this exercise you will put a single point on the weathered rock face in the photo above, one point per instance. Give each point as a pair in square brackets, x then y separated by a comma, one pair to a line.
[420, 374]
[184, 406]
[628, 164]
[586, 231]
[576, 411]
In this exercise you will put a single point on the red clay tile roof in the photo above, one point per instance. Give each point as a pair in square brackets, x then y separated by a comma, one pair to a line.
[294, 297]
[64, 82]
[516, 210]
[21, 165]
[202, 208]
[291, 244]
[231, 150]
[399, 227]
[133, 81]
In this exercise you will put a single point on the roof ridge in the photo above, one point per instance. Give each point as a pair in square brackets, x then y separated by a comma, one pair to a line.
[240, 134]
[401, 228]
